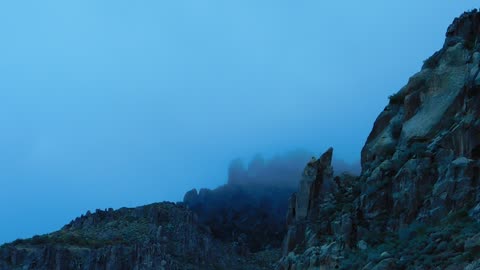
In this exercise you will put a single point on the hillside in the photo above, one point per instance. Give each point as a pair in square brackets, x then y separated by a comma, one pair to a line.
[156, 236]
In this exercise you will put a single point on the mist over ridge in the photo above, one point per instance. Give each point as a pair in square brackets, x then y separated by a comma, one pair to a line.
[250, 207]
[281, 169]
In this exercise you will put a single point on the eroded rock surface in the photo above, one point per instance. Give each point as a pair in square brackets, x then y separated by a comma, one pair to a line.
[418, 200]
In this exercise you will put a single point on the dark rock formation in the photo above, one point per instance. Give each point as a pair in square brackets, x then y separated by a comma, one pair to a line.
[311, 203]
[320, 212]
[251, 215]
[418, 201]
[250, 208]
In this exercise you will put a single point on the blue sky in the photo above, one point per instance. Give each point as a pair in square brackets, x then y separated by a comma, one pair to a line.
[124, 103]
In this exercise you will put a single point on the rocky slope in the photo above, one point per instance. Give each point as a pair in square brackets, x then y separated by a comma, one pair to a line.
[416, 204]
[157, 236]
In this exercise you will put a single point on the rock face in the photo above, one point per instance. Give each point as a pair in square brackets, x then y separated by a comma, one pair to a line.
[157, 236]
[312, 208]
[419, 191]
[422, 157]
[320, 222]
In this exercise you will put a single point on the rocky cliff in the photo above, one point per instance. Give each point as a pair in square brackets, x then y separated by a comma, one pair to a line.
[416, 204]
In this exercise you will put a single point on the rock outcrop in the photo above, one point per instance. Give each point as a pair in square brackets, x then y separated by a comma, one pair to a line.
[320, 219]
[418, 201]
[313, 202]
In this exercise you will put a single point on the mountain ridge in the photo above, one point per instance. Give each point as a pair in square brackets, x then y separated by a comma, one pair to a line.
[415, 205]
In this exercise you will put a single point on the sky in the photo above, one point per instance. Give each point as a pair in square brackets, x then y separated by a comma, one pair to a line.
[123, 103]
